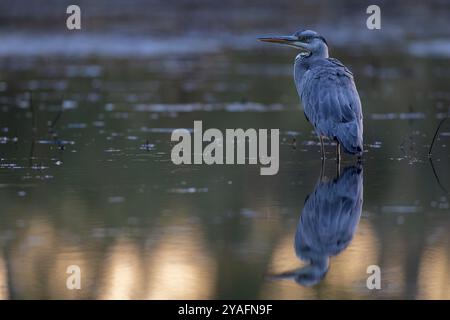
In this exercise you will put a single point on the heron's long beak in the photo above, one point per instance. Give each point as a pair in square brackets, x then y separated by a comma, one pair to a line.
[280, 39]
[285, 275]
[286, 40]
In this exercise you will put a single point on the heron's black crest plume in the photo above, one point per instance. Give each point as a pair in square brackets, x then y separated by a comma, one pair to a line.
[309, 34]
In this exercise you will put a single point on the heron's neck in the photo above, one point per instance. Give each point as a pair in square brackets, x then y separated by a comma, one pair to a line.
[325, 52]
[304, 62]
[321, 53]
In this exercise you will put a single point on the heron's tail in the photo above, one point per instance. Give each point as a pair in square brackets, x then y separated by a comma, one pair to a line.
[350, 136]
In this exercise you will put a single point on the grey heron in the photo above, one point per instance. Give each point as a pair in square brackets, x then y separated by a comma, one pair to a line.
[327, 91]
[327, 224]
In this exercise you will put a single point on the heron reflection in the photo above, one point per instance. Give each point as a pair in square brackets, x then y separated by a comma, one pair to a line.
[327, 224]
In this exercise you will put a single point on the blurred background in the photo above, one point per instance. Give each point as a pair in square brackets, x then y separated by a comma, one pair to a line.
[86, 177]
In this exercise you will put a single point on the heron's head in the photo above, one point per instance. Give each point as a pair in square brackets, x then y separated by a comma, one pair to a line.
[309, 275]
[309, 42]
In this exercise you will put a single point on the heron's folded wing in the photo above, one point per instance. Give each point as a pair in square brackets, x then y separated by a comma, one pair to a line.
[330, 97]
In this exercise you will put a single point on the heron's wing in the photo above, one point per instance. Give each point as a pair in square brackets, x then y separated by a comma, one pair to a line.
[339, 64]
[331, 103]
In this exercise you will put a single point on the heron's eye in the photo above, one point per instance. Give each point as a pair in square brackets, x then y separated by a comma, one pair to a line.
[303, 39]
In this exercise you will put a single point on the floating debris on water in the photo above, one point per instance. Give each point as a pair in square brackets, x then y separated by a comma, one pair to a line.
[162, 130]
[10, 166]
[109, 107]
[57, 142]
[44, 177]
[208, 107]
[98, 123]
[4, 140]
[173, 107]
[253, 107]
[310, 143]
[442, 203]
[292, 133]
[376, 145]
[147, 146]
[112, 150]
[401, 209]
[398, 116]
[39, 167]
[77, 125]
[69, 104]
[188, 190]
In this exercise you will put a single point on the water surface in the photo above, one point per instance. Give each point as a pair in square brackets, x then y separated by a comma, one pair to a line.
[86, 177]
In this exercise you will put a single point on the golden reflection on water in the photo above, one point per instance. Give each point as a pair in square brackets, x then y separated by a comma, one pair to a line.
[176, 267]
[122, 272]
[29, 258]
[177, 263]
[180, 267]
[3, 280]
[434, 279]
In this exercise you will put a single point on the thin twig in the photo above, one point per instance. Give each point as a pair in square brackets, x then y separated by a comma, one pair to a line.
[31, 156]
[33, 112]
[430, 154]
[435, 136]
[58, 115]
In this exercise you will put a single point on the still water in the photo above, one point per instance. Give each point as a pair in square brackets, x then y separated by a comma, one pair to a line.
[86, 179]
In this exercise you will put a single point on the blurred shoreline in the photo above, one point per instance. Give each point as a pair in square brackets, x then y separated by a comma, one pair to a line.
[140, 28]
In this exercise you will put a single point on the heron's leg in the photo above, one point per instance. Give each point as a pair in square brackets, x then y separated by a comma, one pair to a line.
[322, 148]
[338, 169]
[338, 152]
[322, 170]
